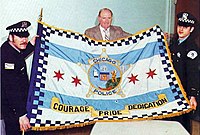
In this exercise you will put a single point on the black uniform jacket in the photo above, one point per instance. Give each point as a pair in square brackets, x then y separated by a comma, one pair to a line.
[185, 59]
[14, 80]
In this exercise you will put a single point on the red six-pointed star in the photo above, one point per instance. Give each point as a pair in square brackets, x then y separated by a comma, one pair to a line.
[76, 81]
[151, 73]
[133, 78]
[58, 75]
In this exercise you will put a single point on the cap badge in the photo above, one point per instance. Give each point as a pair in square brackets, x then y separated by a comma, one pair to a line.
[184, 18]
[185, 15]
[24, 24]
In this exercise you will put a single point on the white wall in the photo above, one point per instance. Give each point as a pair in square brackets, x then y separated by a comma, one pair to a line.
[77, 15]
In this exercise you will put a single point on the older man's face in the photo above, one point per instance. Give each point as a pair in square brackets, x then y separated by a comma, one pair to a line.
[105, 19]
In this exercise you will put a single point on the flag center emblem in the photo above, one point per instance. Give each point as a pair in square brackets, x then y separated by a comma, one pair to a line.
[104, 76]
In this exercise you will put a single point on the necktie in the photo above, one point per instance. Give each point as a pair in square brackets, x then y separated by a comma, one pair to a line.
[178, 42]
[106, 35]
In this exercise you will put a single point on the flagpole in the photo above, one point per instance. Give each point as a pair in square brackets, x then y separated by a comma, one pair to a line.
[41, 14]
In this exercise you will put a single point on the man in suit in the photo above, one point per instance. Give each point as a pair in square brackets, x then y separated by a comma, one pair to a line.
[104, 30]
[14, 78]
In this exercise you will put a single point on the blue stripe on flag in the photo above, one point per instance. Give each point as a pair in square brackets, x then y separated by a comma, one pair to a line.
[100, 104]
[78, 56]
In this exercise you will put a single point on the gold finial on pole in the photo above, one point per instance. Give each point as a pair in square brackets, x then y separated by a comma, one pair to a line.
[40, 16]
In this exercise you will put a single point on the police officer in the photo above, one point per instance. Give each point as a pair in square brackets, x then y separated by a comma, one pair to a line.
[14, 78]
[185, 57]
[195, 114]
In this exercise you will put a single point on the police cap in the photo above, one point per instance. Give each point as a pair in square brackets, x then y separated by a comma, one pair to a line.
[186, 19]
[19, 29]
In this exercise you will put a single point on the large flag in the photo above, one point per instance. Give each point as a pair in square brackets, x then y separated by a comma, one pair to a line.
[76, 81]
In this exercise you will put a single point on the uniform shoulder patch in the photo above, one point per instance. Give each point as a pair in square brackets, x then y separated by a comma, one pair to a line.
[192, 54]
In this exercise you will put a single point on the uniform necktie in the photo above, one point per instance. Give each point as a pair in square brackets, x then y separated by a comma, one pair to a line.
[178, 42]
[106, 35]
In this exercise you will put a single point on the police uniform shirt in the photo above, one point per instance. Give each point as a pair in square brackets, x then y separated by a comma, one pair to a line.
[14, 80]
[185, 58]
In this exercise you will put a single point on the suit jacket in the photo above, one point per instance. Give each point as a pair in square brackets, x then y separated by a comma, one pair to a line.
[115, 33]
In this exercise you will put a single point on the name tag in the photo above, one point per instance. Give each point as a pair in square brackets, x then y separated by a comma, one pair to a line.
[9, 65]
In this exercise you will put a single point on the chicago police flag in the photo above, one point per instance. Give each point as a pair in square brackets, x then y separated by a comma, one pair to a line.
[76, 81]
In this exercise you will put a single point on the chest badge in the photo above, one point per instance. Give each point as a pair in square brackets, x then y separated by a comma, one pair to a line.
[178, 54]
